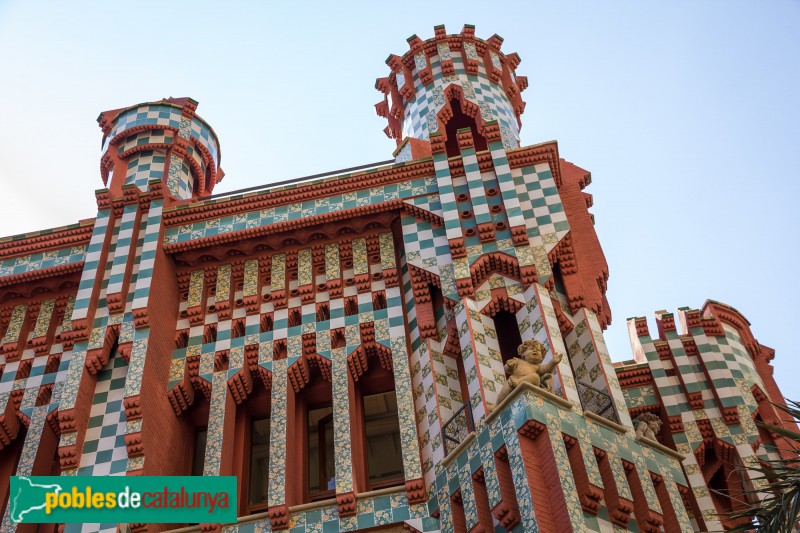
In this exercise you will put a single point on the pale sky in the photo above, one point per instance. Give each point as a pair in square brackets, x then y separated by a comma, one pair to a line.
[686, 113]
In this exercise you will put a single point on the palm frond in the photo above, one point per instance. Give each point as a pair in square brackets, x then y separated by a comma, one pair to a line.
[777, 504]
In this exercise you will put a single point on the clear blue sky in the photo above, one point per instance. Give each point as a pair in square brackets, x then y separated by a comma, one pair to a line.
[686, 113]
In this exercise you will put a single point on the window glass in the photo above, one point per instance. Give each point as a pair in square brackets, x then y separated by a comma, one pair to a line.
[382, 427]
[259, 460]
[198, 461]
[321, 469]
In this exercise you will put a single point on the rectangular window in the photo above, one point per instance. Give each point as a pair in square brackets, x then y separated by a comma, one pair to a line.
[199, 458]
[259, 461]
[321, 460]
[382, 429]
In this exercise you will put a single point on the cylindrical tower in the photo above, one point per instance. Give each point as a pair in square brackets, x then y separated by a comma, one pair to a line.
[447, 83]
[160, 141]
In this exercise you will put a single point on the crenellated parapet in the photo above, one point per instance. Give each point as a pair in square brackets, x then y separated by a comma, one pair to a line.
[708, 380]
[163, 140]
[447, 76]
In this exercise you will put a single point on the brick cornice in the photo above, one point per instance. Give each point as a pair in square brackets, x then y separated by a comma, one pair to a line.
[42, 273]
[636, 376]
[290, 225]
[40, 241]
[539, 153]
[189, 213]
[731, 316]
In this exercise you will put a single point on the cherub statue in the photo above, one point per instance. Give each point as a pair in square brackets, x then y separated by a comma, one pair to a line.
[528, 368]
[648, 425]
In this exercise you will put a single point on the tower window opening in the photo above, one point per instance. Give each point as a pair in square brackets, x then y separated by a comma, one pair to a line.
[558, 280]
[508, 336]
[459, 121]
[437, 301]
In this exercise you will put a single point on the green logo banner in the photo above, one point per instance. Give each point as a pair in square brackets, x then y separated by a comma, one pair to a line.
[123, 499]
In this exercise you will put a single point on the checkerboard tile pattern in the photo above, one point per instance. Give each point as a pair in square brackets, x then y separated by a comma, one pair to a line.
[146, 137]
[283, 213]
[540, 205]
[722, 373]
[424, 387]
[480, 352]
[514, 289]
[447, 197]
[92, 262]
[145, 166]
[146, 256]
[477, 192]
[426, 380]
[38, 261]
[507, 186]
[430, 203]
[165, 115]
[104, 451]
[420, 112]
[180, 181]
[128, 223]
[536, 321]
[427, 248]
[590, 360]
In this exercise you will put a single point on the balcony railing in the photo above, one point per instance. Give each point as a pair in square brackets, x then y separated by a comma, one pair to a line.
[597, 401]
[455, 430]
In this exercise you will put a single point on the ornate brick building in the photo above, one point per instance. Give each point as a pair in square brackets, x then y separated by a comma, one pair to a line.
[338, 342]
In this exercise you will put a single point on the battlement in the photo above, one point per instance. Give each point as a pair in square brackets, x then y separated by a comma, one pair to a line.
[452, 78]
[162, 140]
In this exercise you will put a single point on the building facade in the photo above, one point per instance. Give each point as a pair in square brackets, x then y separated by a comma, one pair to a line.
[338, 343]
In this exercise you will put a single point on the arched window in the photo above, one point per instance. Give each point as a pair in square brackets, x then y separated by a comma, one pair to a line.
[458, 121]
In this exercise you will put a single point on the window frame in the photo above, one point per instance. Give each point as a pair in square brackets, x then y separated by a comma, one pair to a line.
[377, 380]
[247, 470]
[322, 494]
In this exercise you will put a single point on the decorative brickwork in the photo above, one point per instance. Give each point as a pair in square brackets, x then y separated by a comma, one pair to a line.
[171, 312]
